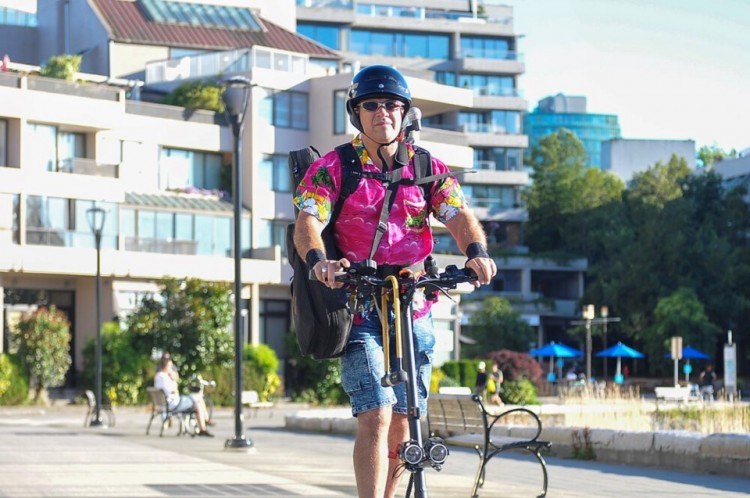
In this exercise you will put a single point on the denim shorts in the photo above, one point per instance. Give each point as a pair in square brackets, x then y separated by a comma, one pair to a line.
[362, 366]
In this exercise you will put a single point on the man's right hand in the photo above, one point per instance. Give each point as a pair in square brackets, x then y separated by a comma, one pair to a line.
[325, 271]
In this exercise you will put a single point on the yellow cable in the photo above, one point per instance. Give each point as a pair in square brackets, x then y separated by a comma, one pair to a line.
[396, 311]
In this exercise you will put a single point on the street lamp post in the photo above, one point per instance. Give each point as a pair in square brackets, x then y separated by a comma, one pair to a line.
[604, 313]
[588, 315]
[236, 96]
[96, 218]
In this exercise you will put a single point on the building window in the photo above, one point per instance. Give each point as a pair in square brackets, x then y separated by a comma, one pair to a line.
[9, 219]
[167, 232]
[3, 142]
[425, 45]
[273, 233]
[274, 173]
[490, 122]
[322, 33]
[56, 221]
[492, 196]
[486, 48]
[340, 116]
[498, 159]
[286, 110]
[55, 150]
[179, 169]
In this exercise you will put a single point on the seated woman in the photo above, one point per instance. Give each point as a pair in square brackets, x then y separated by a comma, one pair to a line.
[166, 381]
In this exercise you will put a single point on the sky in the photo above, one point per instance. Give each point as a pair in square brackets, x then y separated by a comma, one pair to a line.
[669, 69]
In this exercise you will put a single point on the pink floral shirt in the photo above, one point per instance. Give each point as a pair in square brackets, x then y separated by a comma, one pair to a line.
[408, 238]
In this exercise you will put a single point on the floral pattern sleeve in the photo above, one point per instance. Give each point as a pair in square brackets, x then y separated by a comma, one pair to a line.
[318, 190]
[447, 197]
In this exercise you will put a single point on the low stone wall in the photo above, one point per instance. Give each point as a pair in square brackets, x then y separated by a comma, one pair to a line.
[726, 454]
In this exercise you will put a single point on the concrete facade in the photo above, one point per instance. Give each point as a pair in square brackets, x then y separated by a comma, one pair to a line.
[625, 157]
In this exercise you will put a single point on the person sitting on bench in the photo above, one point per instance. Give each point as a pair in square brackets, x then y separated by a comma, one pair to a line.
[166, 381]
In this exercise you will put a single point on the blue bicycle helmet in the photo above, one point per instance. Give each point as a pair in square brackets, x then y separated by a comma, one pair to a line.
[376, 81]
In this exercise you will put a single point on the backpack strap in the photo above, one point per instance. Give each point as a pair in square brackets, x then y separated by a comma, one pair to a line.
[351, 173]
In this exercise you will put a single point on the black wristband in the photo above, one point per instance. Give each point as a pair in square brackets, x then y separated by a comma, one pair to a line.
[313, 256]
[476, 250]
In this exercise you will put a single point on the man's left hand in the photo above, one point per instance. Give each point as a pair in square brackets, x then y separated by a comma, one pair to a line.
[484, 268]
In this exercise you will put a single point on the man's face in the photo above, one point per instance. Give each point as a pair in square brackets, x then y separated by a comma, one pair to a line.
[381, 118]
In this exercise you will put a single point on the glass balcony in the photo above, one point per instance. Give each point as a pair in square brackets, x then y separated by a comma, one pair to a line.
[163, 246]
[56, 237]
[331, 4]
[231, 61]
[85, 166]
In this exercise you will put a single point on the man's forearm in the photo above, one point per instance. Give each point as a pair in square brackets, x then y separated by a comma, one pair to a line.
[307, 230]
[465, 228]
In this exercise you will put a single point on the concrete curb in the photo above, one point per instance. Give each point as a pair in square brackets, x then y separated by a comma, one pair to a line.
[724, 454]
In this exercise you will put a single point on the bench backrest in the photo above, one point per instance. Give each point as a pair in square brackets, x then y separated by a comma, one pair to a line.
[158, 399]
[451, 414]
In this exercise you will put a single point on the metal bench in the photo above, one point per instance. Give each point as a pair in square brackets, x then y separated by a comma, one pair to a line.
[251, 399]
[106, 409]
[159, 408]
[463, 420]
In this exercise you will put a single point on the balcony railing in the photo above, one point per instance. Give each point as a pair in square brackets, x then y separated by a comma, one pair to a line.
[484, 53]
[163, 246]
[487, 128]
[46, 236]
[231, 61]
[493, 91]
[85, 166]
[384, 10]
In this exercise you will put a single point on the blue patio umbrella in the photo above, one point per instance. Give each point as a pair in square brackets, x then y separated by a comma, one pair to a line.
[689, 353]
[620, 351]
[555, 350]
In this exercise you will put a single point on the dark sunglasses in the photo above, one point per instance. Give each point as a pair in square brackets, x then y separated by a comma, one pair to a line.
[390, 105]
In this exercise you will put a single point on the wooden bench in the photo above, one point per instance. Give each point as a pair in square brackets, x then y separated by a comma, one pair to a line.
[675, 393]
[463, 420]
[252, 401]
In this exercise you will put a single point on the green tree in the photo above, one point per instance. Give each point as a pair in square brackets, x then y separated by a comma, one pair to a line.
[43, 339]
[190, 319]
[679, 314]
[197, 95]
[708, 155]
[62, 66]
[496, 325]
[562, 189]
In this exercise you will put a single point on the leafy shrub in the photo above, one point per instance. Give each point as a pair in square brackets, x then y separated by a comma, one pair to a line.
[14, 382]
[519, 392]
[43, 339]
[197, 95]
[260, 365]
[125, 371]
[440, 379]
[516, 366]
[313, 381]
[62, 66]
[462, 371]
[259, 373]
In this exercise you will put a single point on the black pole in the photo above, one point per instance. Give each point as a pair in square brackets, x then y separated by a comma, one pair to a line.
[239, 440]
[97, 420]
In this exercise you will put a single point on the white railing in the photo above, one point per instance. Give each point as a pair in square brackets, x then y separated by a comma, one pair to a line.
[231, 61]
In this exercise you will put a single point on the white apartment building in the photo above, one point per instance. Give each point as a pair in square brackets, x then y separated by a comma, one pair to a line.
[159, 170]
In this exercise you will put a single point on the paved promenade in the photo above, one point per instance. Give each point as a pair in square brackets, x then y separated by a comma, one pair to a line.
[49, 453]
